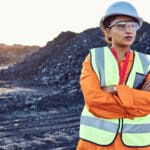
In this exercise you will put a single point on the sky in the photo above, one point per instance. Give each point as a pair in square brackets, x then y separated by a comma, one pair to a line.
[35, 22]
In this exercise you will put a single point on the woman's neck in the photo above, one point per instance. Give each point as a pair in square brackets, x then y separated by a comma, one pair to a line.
[121, 51]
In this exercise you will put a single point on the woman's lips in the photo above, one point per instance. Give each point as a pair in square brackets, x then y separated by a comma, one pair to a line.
[129, 38]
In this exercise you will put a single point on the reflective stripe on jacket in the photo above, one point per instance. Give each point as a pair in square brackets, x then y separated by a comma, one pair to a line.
[103, 131]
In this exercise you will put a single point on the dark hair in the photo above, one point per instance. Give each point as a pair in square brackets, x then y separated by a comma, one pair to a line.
[108, 21]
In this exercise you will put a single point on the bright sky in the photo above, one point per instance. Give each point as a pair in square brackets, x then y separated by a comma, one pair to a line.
[35, 22]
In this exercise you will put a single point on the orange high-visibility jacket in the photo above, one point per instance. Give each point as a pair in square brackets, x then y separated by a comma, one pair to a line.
[105, 105]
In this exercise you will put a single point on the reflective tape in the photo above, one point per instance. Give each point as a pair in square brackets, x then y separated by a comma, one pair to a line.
[112, 127]
[136, 128]
[145, 60]
[99, 123]
[99, 54]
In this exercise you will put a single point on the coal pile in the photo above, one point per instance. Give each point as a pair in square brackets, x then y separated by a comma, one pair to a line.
[41, 100]
[59, 62]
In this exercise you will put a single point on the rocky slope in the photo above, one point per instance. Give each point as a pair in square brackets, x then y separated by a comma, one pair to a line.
[40, 97]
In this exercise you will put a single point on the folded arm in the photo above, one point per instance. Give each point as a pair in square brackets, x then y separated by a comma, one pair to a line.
[108, 104]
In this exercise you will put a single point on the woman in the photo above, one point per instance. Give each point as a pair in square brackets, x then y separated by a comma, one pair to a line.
[115, 82]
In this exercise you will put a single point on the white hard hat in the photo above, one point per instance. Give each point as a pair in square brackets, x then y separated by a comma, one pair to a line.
[121, 8]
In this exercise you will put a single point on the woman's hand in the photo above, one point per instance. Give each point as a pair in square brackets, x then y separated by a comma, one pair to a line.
[110, 89]
[146, 86]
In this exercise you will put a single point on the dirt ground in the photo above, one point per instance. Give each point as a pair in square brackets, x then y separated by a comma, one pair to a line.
[31, 118]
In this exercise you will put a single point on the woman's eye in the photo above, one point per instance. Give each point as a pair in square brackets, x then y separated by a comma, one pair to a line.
[121, 25]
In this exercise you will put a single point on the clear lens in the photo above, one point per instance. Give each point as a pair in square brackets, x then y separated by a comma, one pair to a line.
[125, 25]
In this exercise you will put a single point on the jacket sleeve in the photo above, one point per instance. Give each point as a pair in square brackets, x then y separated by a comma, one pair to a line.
[99, 102]
[137, 102]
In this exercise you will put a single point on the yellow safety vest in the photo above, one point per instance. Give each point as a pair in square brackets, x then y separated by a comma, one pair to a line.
[134, 133]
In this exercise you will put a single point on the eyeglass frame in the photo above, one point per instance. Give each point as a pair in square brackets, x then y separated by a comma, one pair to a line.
[115, 23]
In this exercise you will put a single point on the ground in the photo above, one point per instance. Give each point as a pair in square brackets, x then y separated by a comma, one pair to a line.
[31, 118]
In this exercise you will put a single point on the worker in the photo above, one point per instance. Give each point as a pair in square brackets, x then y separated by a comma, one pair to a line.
[115, 83]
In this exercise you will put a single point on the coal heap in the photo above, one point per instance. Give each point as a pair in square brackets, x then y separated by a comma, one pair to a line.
[59, 62]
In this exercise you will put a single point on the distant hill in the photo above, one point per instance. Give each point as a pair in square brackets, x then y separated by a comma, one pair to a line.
[10, 54]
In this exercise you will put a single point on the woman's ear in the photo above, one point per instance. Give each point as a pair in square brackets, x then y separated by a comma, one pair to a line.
[107, 34]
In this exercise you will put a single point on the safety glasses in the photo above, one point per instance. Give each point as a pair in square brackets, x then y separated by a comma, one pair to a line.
[125, 25]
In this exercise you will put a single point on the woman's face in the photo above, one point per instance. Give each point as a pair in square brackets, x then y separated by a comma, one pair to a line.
[122, 31]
